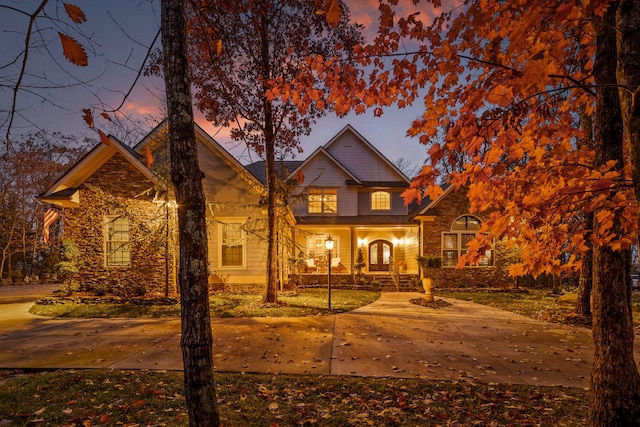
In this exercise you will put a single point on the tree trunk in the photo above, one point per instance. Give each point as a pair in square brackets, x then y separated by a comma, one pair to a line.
[615, 381]
[628, 77]
[271, 293]
[583, 303]
[197, 338]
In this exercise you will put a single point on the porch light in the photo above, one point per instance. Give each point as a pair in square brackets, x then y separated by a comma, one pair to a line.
[328, 244]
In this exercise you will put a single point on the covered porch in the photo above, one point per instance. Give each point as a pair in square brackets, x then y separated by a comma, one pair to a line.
[373, 250]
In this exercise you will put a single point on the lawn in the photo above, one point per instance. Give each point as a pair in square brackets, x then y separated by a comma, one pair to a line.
[305, 302]
[156, 398]
[538, 304]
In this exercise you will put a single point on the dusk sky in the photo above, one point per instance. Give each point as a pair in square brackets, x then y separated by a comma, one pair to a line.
[119, 31]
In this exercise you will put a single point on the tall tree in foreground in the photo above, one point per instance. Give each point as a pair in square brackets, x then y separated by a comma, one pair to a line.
[615, 380]
[239, 50]
[197, 338]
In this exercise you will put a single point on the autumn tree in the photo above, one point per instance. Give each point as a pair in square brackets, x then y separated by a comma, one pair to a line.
[537, 75]
[238, 50]
[507, 83]
[26, 169]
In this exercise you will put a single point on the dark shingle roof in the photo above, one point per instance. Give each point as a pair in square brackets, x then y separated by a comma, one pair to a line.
[283, 169]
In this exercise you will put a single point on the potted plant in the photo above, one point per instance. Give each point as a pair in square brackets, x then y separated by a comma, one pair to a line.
[430, 266]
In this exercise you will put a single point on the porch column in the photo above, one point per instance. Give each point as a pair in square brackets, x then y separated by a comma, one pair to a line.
[354, 246]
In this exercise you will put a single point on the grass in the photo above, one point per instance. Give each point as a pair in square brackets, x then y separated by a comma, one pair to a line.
[538, 304]
[156, 398]
[305, 302]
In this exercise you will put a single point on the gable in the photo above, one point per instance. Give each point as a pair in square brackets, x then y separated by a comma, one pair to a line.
[118, 177]
[362, 159]
[322, 170]
[225, 179]
[224, 183]
[452, 203]
[64, 192]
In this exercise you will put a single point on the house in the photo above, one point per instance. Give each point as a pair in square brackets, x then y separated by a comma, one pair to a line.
[348, 191]
[120, 213]
[118, 208]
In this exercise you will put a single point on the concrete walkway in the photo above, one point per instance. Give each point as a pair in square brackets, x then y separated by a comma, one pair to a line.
[389, 338]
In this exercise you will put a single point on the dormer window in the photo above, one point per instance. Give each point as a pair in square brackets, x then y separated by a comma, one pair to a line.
[323, 200]
[380, 201]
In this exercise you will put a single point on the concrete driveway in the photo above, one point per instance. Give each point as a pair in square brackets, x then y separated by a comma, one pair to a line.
[389, 338]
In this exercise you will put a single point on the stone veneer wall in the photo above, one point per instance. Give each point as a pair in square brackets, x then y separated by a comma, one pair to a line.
[117, 188]
[454, 205]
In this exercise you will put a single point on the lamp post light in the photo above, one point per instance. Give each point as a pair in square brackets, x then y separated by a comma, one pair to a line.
[328, 244]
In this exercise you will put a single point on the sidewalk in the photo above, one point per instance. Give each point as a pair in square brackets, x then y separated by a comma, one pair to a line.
[389, 338]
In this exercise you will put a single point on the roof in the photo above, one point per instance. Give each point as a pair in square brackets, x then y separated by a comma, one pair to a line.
[382, 184]
[426, 205]
[283, 169]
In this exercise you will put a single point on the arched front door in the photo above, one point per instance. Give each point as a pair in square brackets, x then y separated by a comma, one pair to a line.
[380, 251]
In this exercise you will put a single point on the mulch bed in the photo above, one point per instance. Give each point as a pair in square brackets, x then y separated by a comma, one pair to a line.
[436, 303]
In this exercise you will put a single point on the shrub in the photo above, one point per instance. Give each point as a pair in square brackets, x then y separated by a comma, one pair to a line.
[100, 289]
[69, 266]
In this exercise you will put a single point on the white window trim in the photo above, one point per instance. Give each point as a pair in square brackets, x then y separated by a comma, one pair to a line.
[323, 211]
[221, 223]
[460, 248]
[313, 249]
[378, 209]
[105, 242]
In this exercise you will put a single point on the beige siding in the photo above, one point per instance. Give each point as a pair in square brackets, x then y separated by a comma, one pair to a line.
[363, 162]
[231, 198]
[323, 173]
[254, 270]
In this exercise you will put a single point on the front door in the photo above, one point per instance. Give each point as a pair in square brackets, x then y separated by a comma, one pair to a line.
[380, 252]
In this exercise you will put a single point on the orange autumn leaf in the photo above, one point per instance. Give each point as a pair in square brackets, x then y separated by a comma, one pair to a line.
[87, 116]
[148, 157]
[104, 138]
[106, 116]
[563, 11]
[75, 13]
[73, 51]
[333, 13]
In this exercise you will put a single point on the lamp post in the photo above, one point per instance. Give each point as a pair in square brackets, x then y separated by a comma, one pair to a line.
[328, 244]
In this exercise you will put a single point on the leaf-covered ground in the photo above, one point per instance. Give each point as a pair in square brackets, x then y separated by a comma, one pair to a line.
[155, 398]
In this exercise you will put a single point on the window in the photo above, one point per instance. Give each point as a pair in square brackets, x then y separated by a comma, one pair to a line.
[232, 245]
[323, 201]
[118, 248]
[454, 242]
[316, 247]
[380, 201]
